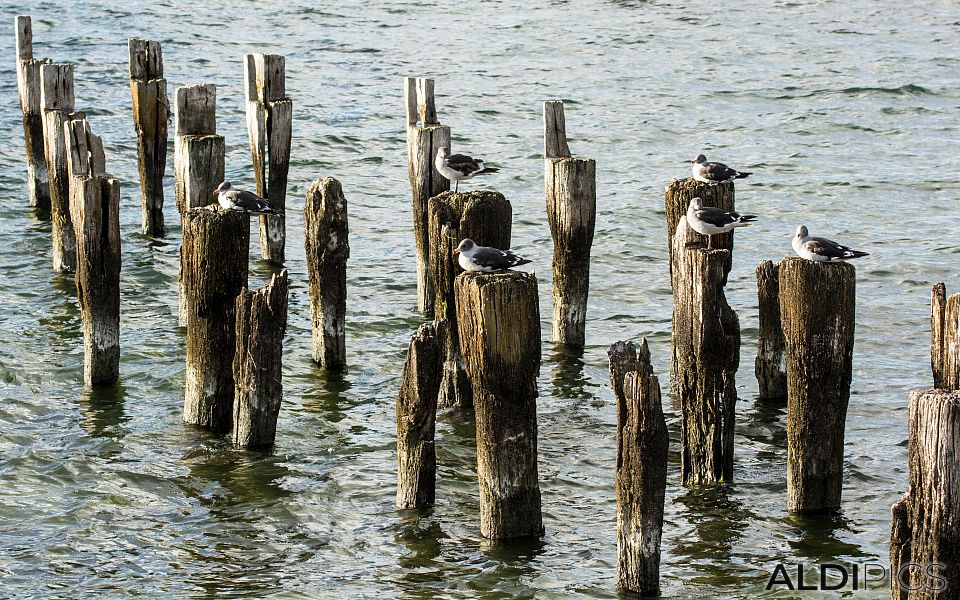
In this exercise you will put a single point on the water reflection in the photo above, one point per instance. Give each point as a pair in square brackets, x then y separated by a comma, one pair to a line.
[818, 537]
[568, 380]
[102, 411]
[719, 521]
[330, 393]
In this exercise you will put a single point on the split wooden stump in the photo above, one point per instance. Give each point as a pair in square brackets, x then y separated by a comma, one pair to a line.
[770, 366]
[29, 86]
[151, 109]
[945, 338]
[57, 100]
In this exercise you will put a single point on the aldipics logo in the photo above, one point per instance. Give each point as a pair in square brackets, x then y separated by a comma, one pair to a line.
[862, 576]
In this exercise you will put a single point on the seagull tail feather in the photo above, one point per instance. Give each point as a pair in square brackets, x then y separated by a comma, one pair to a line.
[740, 175]
[488, 170]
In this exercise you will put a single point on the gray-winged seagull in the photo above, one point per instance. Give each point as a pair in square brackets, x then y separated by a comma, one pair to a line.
[714, 172]
[709, 221]
[485, 259]
[232, 199]
[457, 167]
[821, 249]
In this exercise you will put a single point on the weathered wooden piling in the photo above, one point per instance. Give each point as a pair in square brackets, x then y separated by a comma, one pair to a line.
[29, 86]
[642, 446]
[925, 532]
[215, 261]
[706, 355]
[677, 197]
[770, 366]
[498, 317]
[258, 363]
[485, 217]
[57, 100]
[425, 136]
[945, 338]
[571, 190]
[417, 416]
[270, 127]
[817, 306]
[151, 109]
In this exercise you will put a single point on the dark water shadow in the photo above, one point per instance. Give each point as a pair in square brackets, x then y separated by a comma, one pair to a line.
[719, 520]
[568, 380]
[422, 536]
[329, 395]
[818, 537]
[514, 566]
[102, 410]
[765, 424]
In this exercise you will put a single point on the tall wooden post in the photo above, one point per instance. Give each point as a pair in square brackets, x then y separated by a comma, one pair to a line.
[706, 355]
[151, 110]
[258, 363]
[499, 329]
[677, 197]
[571, 190]
[425, 136]
[945, 338]
[325, 236]
[29, 86]
[770, 366]
[270, 127]
[817, 306]
[57, 100]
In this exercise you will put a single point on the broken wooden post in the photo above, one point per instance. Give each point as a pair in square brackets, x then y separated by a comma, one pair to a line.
[642, 446]
[325, 236]
[485, 217]
[198, 159]
[57, 100]
[258, 363]
[29, 86]
[215, 257]
[677, 197]
[425, 136]
[770, 366]
[706, 355]
[417, 416]
[571, 190]
[270, 127]
[498, 317]
[148, 89]
[945, 338]
[95, 218]
[817, 305]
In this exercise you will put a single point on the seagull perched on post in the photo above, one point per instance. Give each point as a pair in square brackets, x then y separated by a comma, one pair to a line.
[709, 220]
[821, 249]
[232, 199]
[714, 172]
[459, 166]
[484, 259]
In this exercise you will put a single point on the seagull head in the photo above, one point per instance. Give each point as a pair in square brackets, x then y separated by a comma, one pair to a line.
[696, 203]
[223, 187]
[465, 246]
[443, 152]
[802, 232]
[699, 159]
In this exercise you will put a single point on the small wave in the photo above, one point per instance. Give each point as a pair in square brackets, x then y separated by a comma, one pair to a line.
[904, 90]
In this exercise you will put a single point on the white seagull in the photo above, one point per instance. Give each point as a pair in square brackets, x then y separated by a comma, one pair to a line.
[484, 259]
[713, 172]
[821, 249]
[456, 167]
[708, 220]
[232, 199]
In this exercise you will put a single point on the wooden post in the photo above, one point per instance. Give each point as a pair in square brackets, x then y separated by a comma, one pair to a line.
[499, 331]
[258, 363]
[270, 127]
[57, 100]
[417, 416]
[817, 305]
[642, 447]
[148, 89]
[677, 198]
[945, 338]
[571, 190]
[215, 258]
[198, 159]
[95, 217]
[770, 366]
[29, 86]
[926, 520]
[706, 354]
[325, 236]
[425, 137]
[485, 217]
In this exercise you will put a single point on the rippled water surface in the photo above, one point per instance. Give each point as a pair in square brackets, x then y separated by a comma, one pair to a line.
[845, 111]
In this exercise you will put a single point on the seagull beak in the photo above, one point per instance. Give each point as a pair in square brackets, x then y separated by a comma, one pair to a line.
[456, 250]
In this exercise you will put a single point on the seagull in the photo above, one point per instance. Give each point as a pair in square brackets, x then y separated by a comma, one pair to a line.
[713, 172]
[484, 259]
[709, 220]
[232, 199]
[821, 249]
[459, 166]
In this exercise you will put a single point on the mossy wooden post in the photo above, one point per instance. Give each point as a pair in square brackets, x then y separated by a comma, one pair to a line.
[677, 197]
[198, 158]
[215, 257]
[817, 306]
[571, 190]
[926, 521]
[945, 338]
[95, 217]
[325, 236]
[29, 86]
[642, 446]
[425, 136]
[270, 127]
[151, 110]
[706, 355]
[258, 363]
[770, 366]
[417, 416]
[498, 317]
[485, 217]
[57, 100]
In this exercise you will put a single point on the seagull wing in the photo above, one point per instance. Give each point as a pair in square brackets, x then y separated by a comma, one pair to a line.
[716, 217]
[249, 201]
[718, 171]
[829, 248]
[464, 163]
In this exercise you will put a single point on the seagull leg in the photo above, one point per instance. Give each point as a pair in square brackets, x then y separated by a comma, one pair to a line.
[709, 242]
[456, 186]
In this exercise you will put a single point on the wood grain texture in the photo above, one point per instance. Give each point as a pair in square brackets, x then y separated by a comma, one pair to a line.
[29, 88]
[945, 338]
[56, 97]
[554, 130]
[770, 366]
[196, 109]
[151, 111]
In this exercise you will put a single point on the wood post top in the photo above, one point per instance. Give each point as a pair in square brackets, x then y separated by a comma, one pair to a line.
[146, 59]
[196, 109]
